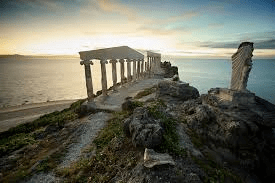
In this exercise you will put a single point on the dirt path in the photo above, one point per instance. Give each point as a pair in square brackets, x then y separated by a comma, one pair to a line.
[83, 136]
[87, 131]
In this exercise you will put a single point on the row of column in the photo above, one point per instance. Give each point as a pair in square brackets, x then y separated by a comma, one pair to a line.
[154, 64]
[140, 68]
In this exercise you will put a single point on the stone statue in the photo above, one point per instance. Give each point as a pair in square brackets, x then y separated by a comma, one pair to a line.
[241, 66]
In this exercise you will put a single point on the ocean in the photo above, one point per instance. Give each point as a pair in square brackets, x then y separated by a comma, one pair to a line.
[35, 80]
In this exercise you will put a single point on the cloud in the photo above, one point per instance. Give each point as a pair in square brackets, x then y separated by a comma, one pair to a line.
[258, 44]
[215, 25]
[116, 7]
[162, 30]
[177, 18]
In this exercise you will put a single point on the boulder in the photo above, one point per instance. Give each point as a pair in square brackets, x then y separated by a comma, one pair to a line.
[176, 90]
[152, 158]
[144, 130]
[169, 71]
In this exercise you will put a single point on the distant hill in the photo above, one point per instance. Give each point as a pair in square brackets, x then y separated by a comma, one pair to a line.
[40, 56]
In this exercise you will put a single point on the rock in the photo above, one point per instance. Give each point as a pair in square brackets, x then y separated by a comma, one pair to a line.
[243, 130]
[192, 177]
[152, 158]
[128, 104]
[169, 70]
[175, 78]
[176, 90]
[145, 131]
[126, 127]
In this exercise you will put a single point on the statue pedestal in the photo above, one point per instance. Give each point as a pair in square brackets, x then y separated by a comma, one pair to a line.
[234, 96]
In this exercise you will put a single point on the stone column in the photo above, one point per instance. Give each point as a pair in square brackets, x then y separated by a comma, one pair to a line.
[89, 81]
[142, 67]
[138, 68]
[122, 71]
[134, 70]
[145, 69]
[128, 70]
[149, 66]
[103, 77]
[152, 65]
[114, 74]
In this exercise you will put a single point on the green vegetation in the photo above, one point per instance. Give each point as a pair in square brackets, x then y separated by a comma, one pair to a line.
[170, 142]
[22, 135]
[114, 153]
[216, 173]
[114, 129]
[145, 92]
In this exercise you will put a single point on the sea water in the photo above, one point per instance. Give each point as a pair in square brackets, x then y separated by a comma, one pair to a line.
[211, 73]
[33, 80]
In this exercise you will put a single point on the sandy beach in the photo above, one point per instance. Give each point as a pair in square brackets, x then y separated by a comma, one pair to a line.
[13, 116]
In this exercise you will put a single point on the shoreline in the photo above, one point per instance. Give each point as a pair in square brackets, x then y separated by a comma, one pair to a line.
[34, 105]
[16, 115]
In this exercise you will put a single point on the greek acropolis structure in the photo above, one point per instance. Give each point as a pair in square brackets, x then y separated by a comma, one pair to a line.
[114, 55]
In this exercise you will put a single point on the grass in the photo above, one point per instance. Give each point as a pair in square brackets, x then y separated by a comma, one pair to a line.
[21, 135]
[145, 92]
[170, 142]
[114, 129]
[114, 153]
[216, 173]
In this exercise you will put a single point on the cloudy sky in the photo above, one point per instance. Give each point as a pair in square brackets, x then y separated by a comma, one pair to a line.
[201, 28]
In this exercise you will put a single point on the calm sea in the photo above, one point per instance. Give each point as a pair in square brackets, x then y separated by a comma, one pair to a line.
[205, 74]
[35, 80]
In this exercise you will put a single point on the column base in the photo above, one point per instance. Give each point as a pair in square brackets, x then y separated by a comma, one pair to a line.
[236, 97]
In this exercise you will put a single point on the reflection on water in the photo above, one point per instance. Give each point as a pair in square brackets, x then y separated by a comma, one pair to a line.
[41, 80]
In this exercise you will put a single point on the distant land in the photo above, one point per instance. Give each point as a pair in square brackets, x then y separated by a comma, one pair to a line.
[39, 56]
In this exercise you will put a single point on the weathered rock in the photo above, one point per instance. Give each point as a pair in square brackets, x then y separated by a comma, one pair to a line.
[128, 104]
[172, 90]
[152, 158]
[175, 78]
[169, 70]
[243, 130]
[145, 131]
[192, 177]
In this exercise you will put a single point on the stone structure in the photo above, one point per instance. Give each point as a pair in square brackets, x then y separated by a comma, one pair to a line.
[121, 53]
[154, 60]
[88, 76]
[241, 66]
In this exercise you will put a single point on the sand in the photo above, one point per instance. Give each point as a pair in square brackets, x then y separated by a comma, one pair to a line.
[13, 116]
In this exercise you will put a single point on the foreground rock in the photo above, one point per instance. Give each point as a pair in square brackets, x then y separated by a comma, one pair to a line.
[144, 130]
[237, 134]
[152, 158]
[176, 91]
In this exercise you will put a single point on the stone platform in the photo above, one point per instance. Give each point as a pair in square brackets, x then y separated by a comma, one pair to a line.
[236, 97]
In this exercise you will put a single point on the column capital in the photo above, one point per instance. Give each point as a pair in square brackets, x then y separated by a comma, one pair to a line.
[113, 61]
[128, 60]
[103, 61]
[86, 62]
[121, 60]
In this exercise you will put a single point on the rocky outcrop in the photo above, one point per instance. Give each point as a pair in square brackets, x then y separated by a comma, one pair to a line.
[169, 71]
[144, 130]
[176, 91]
[244, 131]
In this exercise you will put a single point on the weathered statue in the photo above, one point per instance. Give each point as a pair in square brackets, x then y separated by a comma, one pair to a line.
[241, 66]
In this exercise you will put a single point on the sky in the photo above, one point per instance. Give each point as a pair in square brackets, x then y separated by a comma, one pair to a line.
[199, 29]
